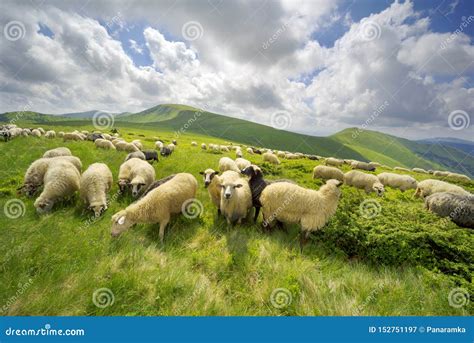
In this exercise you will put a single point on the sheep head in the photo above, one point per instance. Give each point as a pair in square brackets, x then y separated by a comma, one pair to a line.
[378, 188]
[123, 184]
[208, 175]
[97, 208]
[228, 189]
[43, 205]
[120, 222]
[138, 186]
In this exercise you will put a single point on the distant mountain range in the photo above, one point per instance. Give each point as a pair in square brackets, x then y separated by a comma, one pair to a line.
[438, 153]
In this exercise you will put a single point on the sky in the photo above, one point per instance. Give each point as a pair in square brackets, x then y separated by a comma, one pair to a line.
[316, 67]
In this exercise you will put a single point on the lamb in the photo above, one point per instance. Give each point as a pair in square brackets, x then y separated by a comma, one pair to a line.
[212, 183]
[362, 166]
[61, 151]
[242, 163]
[327, 173]
[460, 208]
[136, 173]
[104, 144]
[226, 163]
[270, 157]
[193, 143]
[124, 146]
[95, 183]
[136, 154]
[50, 134]
[368, 182]
[138, 144]
[236, 197]
[71, 136]
[458, 177]
[158, 205]
[61, 180]
[35, 133]
[290, 203]
[402, 182]
[203, 146]
[431, 186]
[331, 161]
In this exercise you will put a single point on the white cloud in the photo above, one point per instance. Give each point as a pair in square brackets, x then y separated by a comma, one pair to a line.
[136, 47]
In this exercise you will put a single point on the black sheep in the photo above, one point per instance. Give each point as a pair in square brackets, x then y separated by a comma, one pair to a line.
[165, 151]
[151, 155]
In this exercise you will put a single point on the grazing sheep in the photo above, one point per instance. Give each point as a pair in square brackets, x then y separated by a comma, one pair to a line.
[116, 140]
[327, 173]
[460, 208]
[203, 146]
[458, 177]
[138, 144]
[50, 134]
[440, 173]
[236, 197]
[71, 136]
[159, 145]
[104, 144]
[136, 154]
[226, 163]
[106, 136]
[40, 129]
[61, 134]
[250, 151]
[165, 151]
[61, 180]
[142, 174]
[312, 157]
[151, 155]
[35, 133]
[431, 186]
[171, 146]
[94, 136]
[402, 182]
[367, 182]
[238, 153]
[62, 151]
[212, 183]
[331, 161]
[156, 184]
[291, 156]
[402, 169]
[289, 203]
[419, 170]
[174, 142]
[362, 166]
[194, 143]
[224, 148]
[242, 163]
[256, 151]
[270, 157]
[281, 154]
[95, 183]
[124, 146]
[165, 200]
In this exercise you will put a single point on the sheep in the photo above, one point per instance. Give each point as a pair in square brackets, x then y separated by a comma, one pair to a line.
[193, 143]
[402, 169]
[375, 164]
[458, 177]
[250, 151]
[327, 173]
[312, 157]
[236, 197]
[95, 183]
[174, 142]
[61, 151]
[158, 205]
[156, 184]
[331, 161]
[289, 203]
[106, 136]
[402, 182]
[223, 148]
[368, 182]
[281, 154]
[238, 153]
[226, 163]
[242, 163]
[291, 156]
[40, 129]
[159, 145]
[171, 146]
[138, 144]
[136, 154]
[431, 186]
[256, 151]
[71, 136]
[440, 173]
[136, 173]
[151, 155]
[362, 166]
[61, 180]
[85, 132]
[419, 170]
[211, 182]
[94, 136]
[203, 146]
[104, 144]
[270, 157]
[460, 208]
[165, 151]
[50, 134]
[116, 141]
[35, 133]
[61, 134]
[124, 146]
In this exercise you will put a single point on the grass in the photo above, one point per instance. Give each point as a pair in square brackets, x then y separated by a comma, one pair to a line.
[405, 261]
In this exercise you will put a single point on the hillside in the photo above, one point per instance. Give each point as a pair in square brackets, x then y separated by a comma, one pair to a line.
[460, 144]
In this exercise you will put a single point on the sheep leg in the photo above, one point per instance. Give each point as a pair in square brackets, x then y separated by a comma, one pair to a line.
[303, 239]
[257, 211]
[162, 229]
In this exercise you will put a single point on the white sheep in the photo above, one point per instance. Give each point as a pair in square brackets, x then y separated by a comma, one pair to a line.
[242, 163]
[458, 177]
[291, 156]
[440, 173]
[431, 186]
[362, 166]
[236, 197]
[61, 151]
[460, 208]
[270, 157]
[72, 136]
[61, 180]
[159, 145]
[367, 182]
[136, 173]
[158, 205]
[138, 144]
[40, 129]
[203, 146]
[212, 183]
[95, 183]
[327, 173]
[226, 163]
[50, 134]
[107, 136]
[402, 169]
[193, 143]
[402, 182]
[223, 148]
[125, 146]
[61, 134]
[289, 203]
[281, 154]
[331, 161]
[419, 170]
[136, 154]
[35, 133]
[250, 151]
[104, 144]
[238, 153]
[171, 146]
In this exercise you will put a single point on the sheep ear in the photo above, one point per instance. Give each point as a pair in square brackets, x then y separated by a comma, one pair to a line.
[339, 183]
[121, 220]
[216, 173]
[201, 172]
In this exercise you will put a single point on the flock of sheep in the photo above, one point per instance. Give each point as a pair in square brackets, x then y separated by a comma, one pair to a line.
[236, 187]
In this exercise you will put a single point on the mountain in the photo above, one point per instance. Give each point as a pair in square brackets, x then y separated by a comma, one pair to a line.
[460, 144]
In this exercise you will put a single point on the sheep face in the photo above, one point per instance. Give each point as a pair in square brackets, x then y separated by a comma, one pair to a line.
[123, 184]
[251, 171]
[120, 223]
[98, 209]
[28, 189]
[378, 188]
[208, 176]
[43, 206]
[137, 188]
[228, 189]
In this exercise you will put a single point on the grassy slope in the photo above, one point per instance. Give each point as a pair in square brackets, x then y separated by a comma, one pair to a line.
[353, 266]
